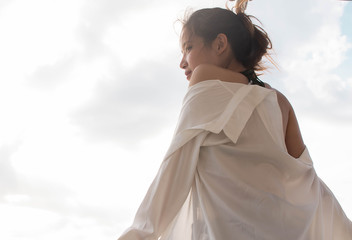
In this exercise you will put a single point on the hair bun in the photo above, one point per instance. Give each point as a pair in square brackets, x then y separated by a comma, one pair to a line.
[240, 6]
[249, 42]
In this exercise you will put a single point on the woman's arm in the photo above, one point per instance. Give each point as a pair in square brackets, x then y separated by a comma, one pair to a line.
[293, 138]
[167, 193]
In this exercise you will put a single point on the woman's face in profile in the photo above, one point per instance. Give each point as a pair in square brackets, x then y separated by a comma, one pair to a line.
[194, 52]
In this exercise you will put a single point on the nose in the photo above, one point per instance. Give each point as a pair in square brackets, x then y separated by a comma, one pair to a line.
[183, 63]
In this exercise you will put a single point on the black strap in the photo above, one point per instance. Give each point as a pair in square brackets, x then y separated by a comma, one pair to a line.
[253, 78]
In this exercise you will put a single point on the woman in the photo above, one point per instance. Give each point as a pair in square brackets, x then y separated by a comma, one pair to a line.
[237, 167]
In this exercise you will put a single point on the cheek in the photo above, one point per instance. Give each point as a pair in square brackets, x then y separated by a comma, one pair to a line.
[193, 59]
[190, 59]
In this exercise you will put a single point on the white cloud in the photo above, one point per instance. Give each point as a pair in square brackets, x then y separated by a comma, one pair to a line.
[309, 47]
[54, 205]
[36, 33]
[8, 180]
[133, 105]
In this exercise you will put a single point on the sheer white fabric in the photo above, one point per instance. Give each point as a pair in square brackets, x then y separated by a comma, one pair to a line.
[227, 175]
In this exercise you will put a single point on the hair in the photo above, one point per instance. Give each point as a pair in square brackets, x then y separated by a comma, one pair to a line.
[249, 42]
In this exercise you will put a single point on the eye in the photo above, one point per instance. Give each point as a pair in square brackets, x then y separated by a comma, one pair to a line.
[188, 48]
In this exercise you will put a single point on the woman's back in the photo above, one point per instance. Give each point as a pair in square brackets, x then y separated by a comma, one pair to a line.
[228, 155]
[293, 138]
[237, 166]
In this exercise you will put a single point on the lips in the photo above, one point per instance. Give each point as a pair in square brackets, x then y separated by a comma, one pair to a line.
[188, 74]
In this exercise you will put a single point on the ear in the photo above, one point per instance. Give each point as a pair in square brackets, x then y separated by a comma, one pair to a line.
[220, 43]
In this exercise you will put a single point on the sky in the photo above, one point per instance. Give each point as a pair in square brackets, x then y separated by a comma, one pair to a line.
[90, 93]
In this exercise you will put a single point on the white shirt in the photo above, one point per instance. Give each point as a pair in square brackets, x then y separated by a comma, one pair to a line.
[227, 175]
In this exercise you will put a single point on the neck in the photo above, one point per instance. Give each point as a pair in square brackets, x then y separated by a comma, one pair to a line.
[235, 66]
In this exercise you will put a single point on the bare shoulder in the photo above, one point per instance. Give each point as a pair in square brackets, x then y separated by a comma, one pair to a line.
[285, 105]
[205, 72]
[293, 138]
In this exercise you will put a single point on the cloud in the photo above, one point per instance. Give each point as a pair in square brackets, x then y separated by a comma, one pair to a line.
[45, 208]
[4, 3]
[17, 188]
[42, 207]
[47, 217]
[8, 180]
[97, 17]
[296, 24]
[133, 104]
[107, 33]
[50, 75]
[310, 47]
[35, 37]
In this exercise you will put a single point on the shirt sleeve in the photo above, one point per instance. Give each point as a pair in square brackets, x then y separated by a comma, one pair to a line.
[167, 192]
[208, 107]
